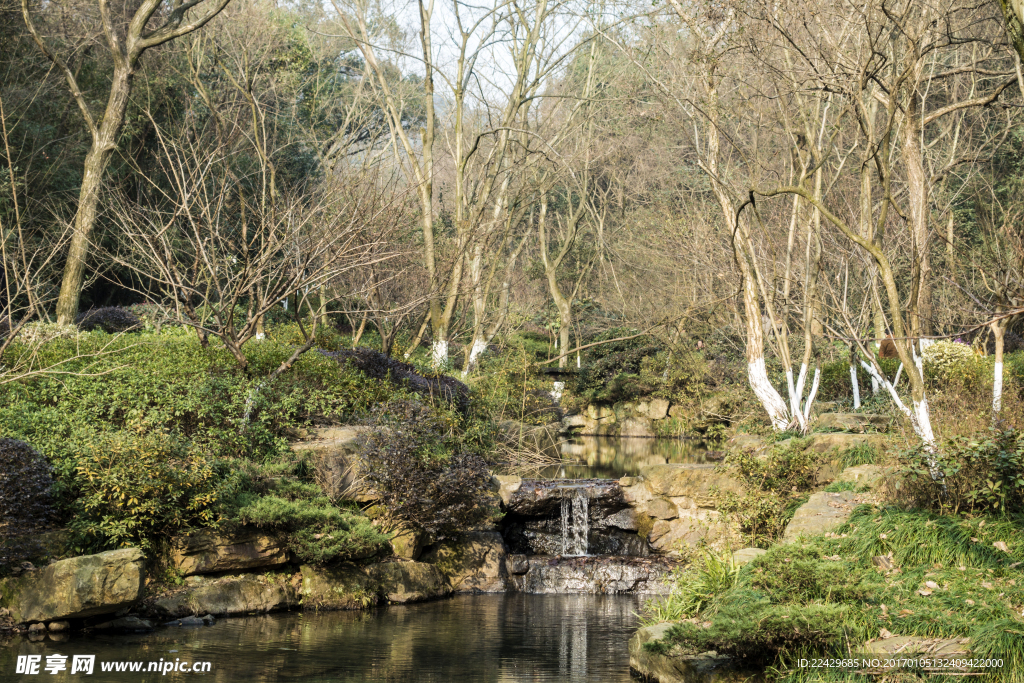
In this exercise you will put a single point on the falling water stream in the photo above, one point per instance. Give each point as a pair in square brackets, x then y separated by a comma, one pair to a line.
[575, 521]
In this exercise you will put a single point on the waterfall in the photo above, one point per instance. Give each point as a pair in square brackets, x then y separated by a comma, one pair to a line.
[575, 522]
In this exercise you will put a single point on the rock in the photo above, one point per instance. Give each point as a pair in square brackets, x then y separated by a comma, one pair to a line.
[595, 574]
[851, 422]
[208, 551]
[506, 485]
[865, 476]
[34, 628]
[130, 624]
[243, 594]
[636, 427]
[58, 626]
[574, 422]
[659, 508]
[657, 408]
[408, 543]
[78, 587]
[627, 520]
[746, 442]
[336, 456]
[839, 441]
[186, 622]
[690, 481]
[602, 415]
[694, 527]
[475, 563]
[518, 564]
[543, 497]
[937, 648]
[402, 582]
[675, 667]
[823, 512]
[742, 557]
[678, 412]
[343, 586]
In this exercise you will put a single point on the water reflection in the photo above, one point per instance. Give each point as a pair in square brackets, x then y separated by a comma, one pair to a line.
[485, 638]
[611, 457]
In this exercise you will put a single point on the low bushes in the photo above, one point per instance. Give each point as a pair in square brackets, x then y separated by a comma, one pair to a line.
[128, 490]
[774, 486]
[825, 598]
[981, 474]
[426, 475]
[26, 506]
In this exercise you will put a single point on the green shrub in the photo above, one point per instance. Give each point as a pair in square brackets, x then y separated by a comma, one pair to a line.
[984, 473]
[26, 506]
[506, 387]
[131, 489]
[774, 487]
[612, 372]
[318, 531]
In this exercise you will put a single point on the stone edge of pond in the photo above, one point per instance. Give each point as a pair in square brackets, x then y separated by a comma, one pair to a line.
[707, 667]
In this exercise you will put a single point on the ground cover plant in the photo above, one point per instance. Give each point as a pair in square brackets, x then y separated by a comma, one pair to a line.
[951, 577]
[149, 434]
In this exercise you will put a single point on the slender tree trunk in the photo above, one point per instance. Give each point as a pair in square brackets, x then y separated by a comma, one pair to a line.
[997, 378]
[104, 142]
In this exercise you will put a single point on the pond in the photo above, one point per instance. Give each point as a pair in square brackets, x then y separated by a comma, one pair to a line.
[472, 638]
[611, 457]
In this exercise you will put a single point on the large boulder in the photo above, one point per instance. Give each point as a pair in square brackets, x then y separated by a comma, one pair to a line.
[77, 587]
[344, 586]
[675, 667]
[852, 422]
[657, 408]
[636, 427]
[693, 482]
[543, 497]
[401, 582]
[336, 454]
[840, 441]
[868, 477]
[207, 551]
[822, 513]
[596, 574]
[475, 563]
[243, 594]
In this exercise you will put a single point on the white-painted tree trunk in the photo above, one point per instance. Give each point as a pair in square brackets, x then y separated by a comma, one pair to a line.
[919, 417]
[439, 353]
[997, 388]
[556, 391]
[874, 386]
[810, 396]
[773, 404]
[856, 387]
[479, 346]
[899, 371]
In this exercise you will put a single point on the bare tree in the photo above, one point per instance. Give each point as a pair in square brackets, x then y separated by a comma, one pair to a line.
[127, 37]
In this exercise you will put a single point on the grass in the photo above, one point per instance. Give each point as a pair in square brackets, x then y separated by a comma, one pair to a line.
[826, 598]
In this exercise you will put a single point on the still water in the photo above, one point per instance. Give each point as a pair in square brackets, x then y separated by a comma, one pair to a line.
[611, 457]
[512, 638]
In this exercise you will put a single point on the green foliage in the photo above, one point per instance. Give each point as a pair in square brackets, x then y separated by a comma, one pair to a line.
[981, 474]
[696, 590]
[612, 372]
[318, 531]
[774, 486]
[835, 379]
[947, 360]
[826, 597]
[130, 489]
[506, 387]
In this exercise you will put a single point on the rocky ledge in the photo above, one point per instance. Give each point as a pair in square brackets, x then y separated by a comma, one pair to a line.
[675, 667]
[545, 574]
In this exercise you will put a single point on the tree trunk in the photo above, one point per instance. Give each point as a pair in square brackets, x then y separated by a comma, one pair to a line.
[997, 378]
[104, 142]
